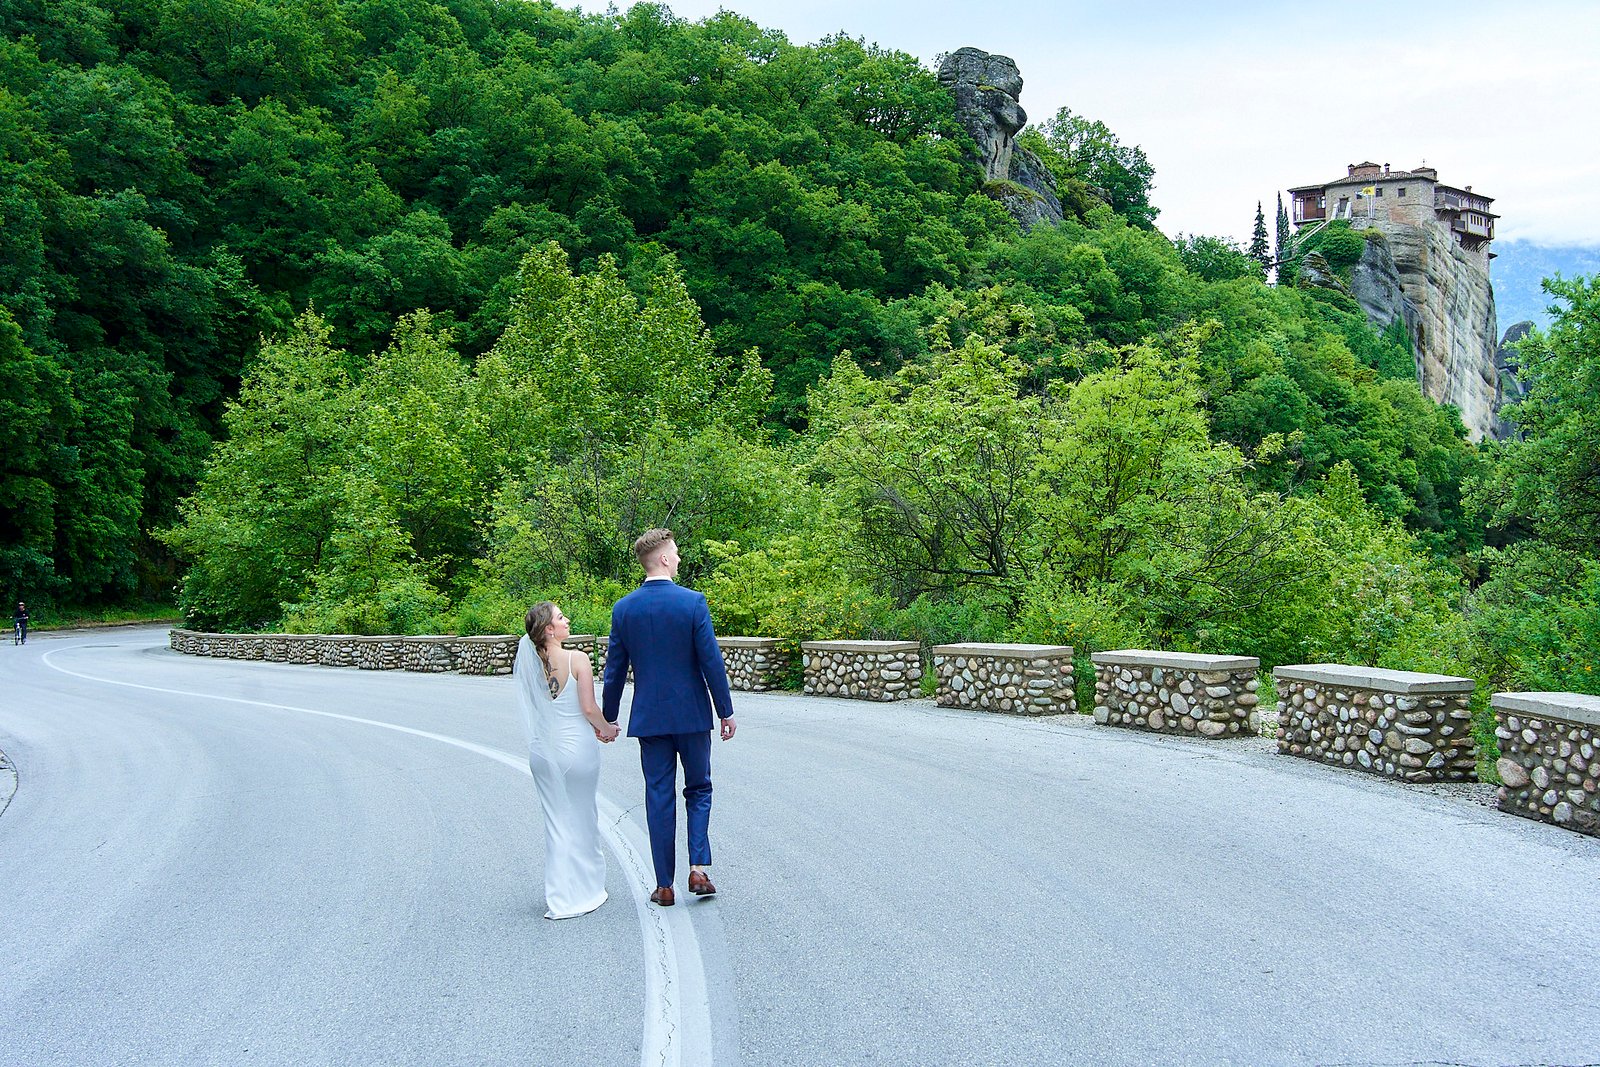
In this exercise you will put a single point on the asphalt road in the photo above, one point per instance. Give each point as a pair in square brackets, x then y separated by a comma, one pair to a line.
[208, 862]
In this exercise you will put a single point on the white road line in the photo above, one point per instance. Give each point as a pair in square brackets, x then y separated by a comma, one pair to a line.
[677, 1016]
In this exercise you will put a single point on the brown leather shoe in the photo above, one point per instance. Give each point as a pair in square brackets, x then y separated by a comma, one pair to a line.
[700, 885]
[663, 896]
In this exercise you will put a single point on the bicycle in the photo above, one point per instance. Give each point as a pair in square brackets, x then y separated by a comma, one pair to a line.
[19, 636]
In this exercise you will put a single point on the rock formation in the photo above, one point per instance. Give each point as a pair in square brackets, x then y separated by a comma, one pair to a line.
[1508, 387]
[986, 90]
[1454, 336]
[1420, 276]
[1315, 273]
[1375, 284]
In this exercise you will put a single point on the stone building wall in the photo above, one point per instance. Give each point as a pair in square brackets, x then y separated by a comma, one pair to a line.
[1177, 692]
[1016, 679]
[1396, 723]
[863, 670]
[1548, 764]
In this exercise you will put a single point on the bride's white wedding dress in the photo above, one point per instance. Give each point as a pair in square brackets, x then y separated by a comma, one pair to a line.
[564, 755]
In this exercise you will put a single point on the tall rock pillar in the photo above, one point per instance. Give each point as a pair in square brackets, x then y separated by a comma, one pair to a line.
[987, 90]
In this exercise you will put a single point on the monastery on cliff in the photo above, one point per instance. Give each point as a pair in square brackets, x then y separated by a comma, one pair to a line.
[1430, 272]
[1409, 197]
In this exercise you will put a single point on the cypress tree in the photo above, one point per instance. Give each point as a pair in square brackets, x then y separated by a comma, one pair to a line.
[1259, 251]
[1282, 239]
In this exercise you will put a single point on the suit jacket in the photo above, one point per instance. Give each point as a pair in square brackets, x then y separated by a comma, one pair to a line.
[664, 632]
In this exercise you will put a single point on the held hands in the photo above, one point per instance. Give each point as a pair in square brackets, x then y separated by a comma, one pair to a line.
[607, 732]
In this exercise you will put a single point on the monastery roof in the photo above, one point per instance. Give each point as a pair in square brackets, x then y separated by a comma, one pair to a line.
[1426, 174]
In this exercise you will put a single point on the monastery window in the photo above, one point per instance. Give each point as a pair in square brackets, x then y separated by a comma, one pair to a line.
[1378, 191]
[1400, 191]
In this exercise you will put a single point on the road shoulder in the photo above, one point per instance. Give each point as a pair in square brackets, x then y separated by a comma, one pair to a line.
[8, 781]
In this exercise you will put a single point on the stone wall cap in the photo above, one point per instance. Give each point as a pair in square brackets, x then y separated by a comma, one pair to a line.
[748, 642]
[421, 637]
[1569, 707]
[859, 646]
[1386, 681]
[975, 648]
[488, 638]
[1191, 661]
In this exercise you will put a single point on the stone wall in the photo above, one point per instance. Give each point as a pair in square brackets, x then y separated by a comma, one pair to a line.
[469, 655]
[1547, 758]
[485, 655]
[1177, 692]
[755, 664]
[1396, 723]
[1016, 679]
[863, 670]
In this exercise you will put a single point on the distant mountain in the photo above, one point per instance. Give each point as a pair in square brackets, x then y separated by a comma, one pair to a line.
[1519, 268]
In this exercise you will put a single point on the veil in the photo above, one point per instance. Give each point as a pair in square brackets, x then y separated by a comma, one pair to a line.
[533, 696]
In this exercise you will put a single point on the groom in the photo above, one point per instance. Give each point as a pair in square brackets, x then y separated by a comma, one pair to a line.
[664, 632]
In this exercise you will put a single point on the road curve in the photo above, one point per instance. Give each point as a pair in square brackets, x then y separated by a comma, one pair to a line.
[194, 879]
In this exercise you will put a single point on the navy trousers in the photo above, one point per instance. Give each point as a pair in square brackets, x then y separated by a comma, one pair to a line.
[660, 756]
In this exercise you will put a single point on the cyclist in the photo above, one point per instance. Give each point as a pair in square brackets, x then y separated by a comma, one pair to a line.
[19, 624]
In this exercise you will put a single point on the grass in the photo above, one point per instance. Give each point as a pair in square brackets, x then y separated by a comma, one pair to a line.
[1004, 187]
[72, 618]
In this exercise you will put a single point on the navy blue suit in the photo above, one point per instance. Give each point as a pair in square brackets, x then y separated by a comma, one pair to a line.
[663, 632]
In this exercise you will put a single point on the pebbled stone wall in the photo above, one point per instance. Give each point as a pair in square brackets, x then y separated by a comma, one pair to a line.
[468, 655]
[755, 664]
[1396, 723]
[1015, 679]
[863, 670]
[1177, 692]
[1548, 763]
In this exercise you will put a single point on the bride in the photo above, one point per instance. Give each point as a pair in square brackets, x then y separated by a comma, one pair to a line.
[555, 693]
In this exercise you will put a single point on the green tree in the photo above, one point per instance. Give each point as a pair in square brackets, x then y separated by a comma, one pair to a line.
[1259, 249]
[1537, 617]
[1087, 151]
[934, 471]
[1216, 259]
[38, 419]
[613, 414]
[1282, 240]
[261, 518]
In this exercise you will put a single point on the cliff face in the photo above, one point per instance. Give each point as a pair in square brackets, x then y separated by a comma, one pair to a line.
[987, 89]
[1441, 291]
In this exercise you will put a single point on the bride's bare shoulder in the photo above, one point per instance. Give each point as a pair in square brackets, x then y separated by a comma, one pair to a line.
[580, 667]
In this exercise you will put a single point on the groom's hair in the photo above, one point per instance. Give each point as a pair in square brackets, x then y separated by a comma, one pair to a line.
[649, 542]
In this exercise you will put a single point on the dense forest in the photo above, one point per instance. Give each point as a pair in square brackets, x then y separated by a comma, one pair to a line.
[389, 315]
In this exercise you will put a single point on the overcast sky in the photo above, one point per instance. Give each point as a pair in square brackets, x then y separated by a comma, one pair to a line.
[1234, 102]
